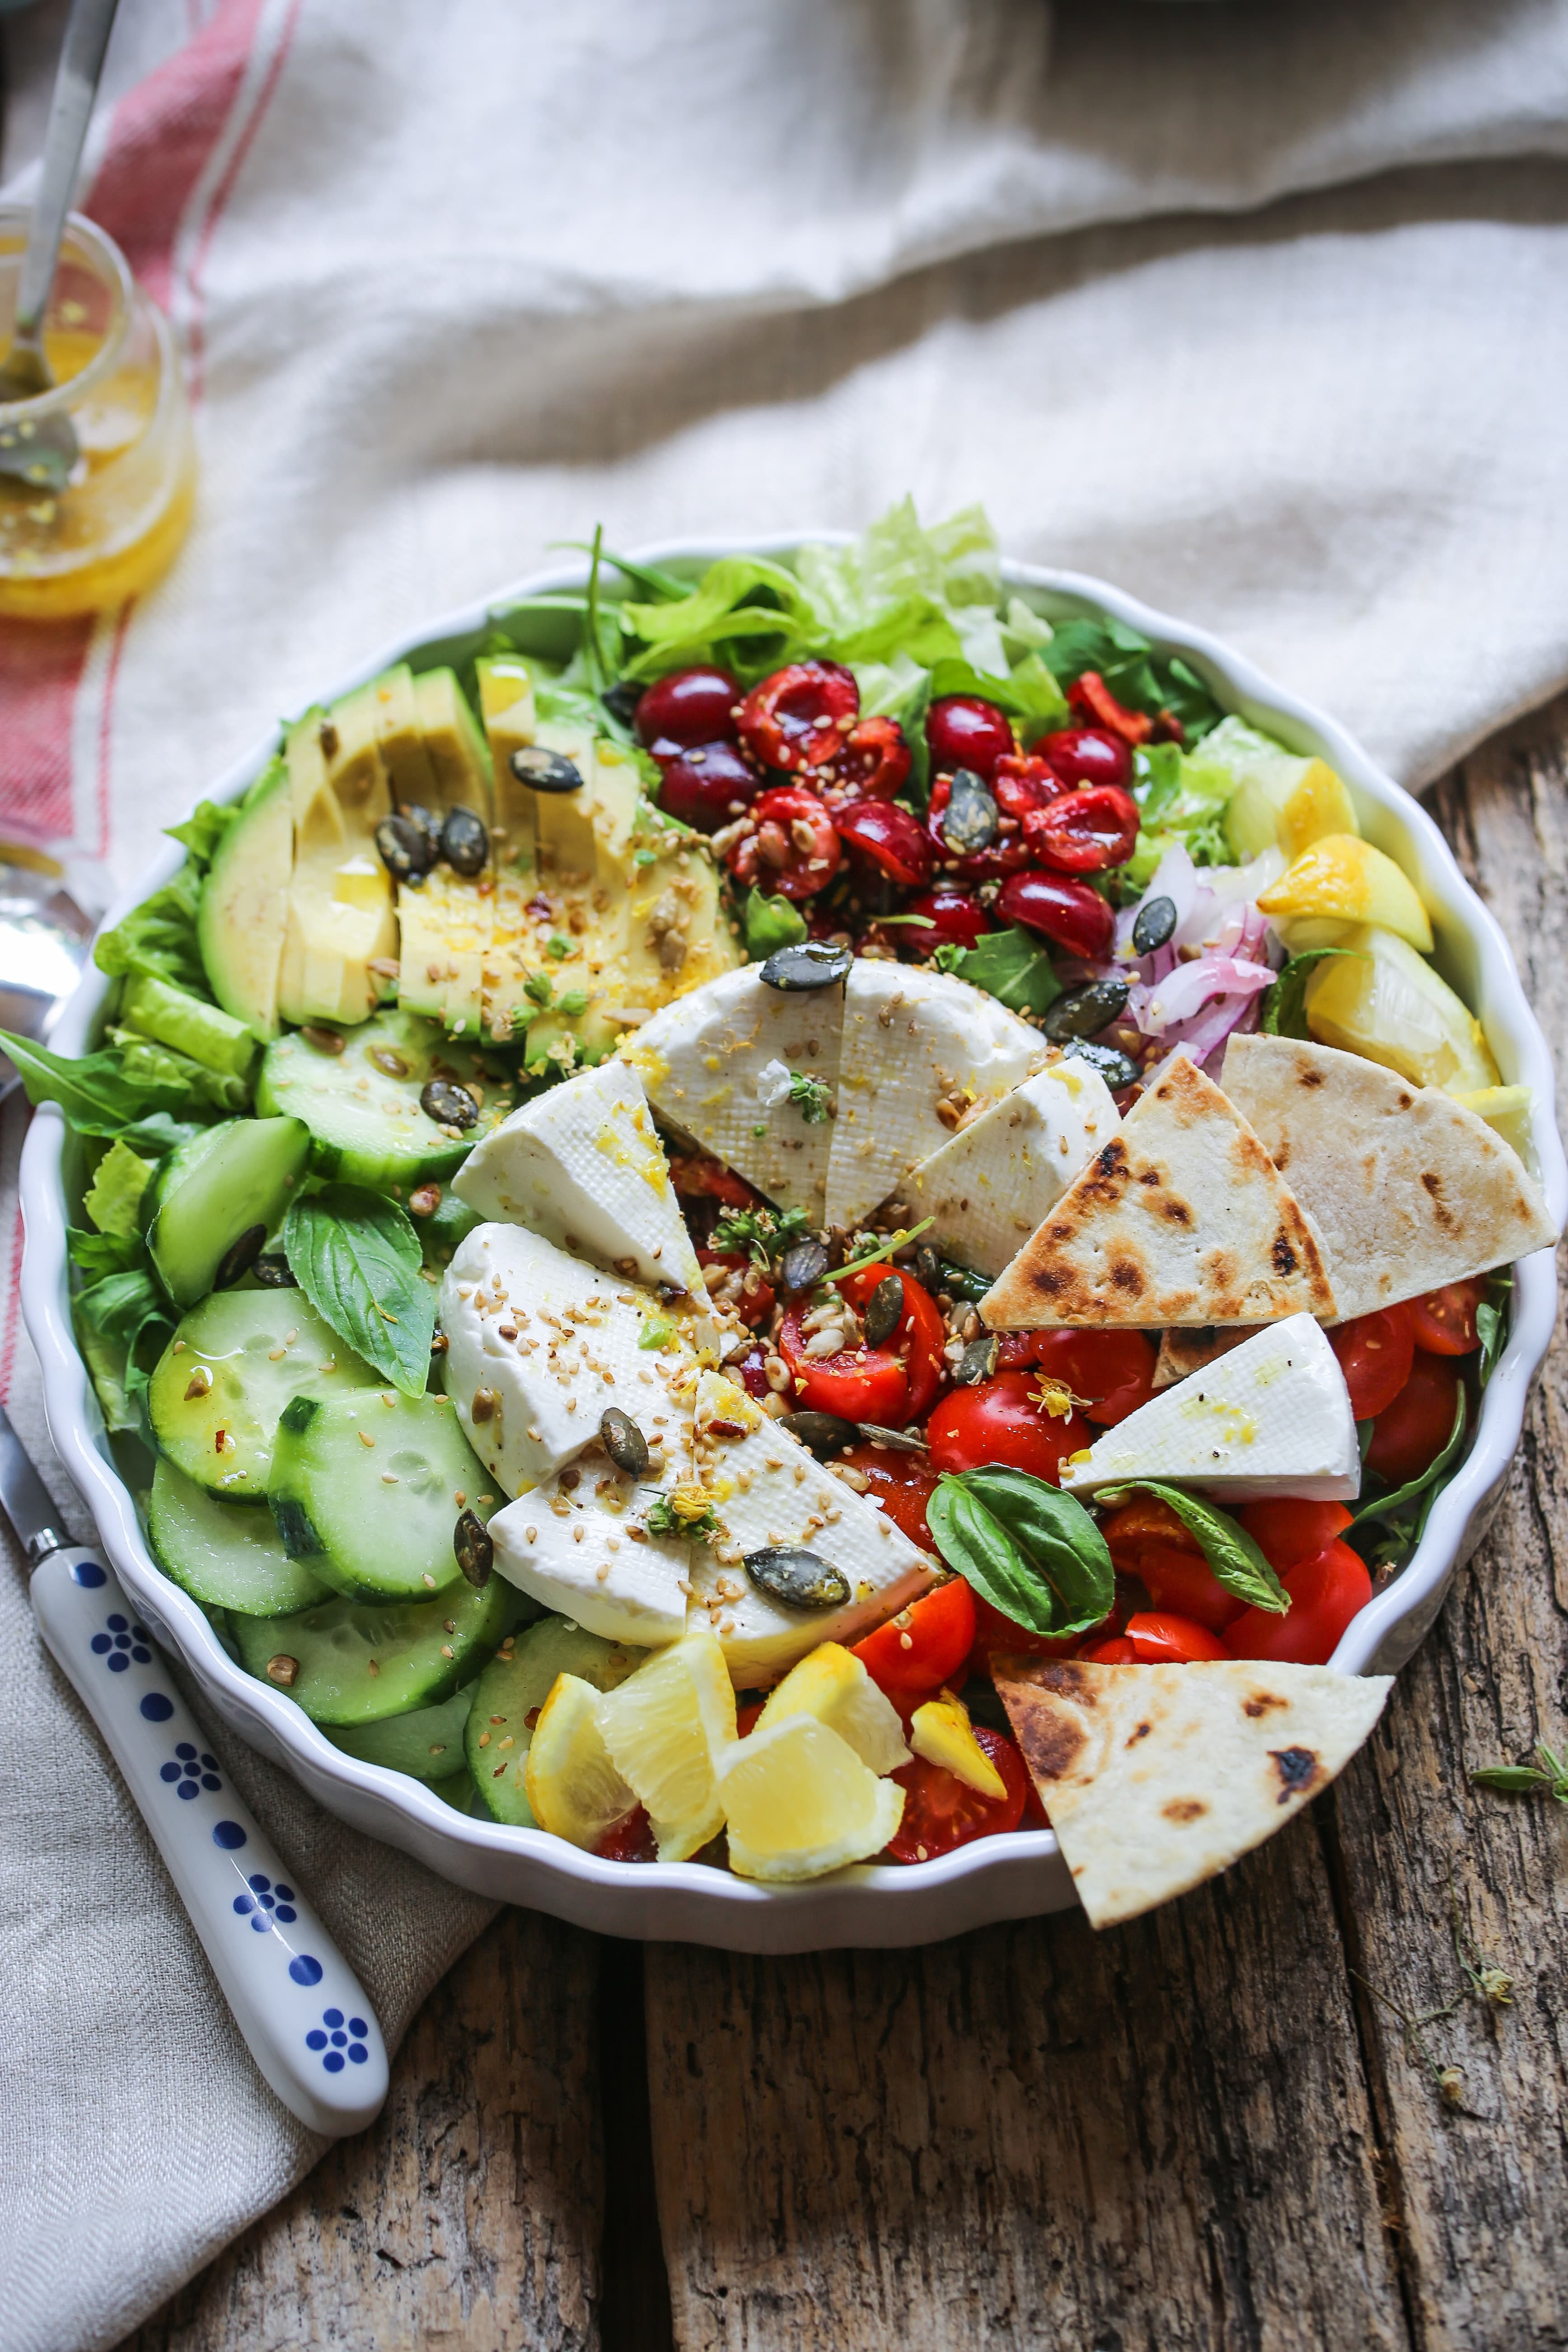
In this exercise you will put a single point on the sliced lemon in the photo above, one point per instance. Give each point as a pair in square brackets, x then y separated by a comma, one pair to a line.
[800, 1803]
[1388, 1003]
[833, 1685]
[1346, 878]
[941, 1732]
[666, 1728]
[573, 1786]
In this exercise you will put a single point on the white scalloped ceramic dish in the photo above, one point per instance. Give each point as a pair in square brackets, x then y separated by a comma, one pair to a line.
[1005, 1877]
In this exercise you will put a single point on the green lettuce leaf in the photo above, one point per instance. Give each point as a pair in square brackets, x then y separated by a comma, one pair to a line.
[1012, 966]
[158, 938]
[120, 1321]
[115, 1196]
[930, 593]
[770, 923]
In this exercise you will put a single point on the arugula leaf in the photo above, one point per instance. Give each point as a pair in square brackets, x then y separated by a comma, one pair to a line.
[1134, 672]
[652, 579]
[1033, 1552]
[1234, 1559]
[1551, 1774]
[1387, 1506]
[771, 922]
[95, 1091]
[356, 1257]
[1283, 1013]
[1012, 966]
[101, 1254]
[117, 1319]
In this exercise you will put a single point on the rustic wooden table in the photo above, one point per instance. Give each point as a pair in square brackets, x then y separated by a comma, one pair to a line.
[1208, 2129]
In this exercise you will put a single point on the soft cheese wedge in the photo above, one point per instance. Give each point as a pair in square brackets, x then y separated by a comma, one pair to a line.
[920, 1048]
[538, 1348]
[768, 1490]
[578, 1545]
[581, 1165]
[989, 1186]
[1272, 1417]
[709, 1064]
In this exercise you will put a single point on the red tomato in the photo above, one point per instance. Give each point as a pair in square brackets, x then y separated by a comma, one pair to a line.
[791, 720]
[794, 849]
[901, 1482]
[1086, 832]
[1373, 1354]
[1113, 1372]
[1024, 783]
[1288, 1530]
[1068, 912]
[942, 1813]
[630, 1839]
[923, 1646]
[996, 1637]
[875, 761]
[953, 918]
[918, 1336]
[1118, 1651]
[1087, 755]
[1411, 1432]
[753, 1297]
[1160, 1639]
[999, 1420]
[709, 1180]
[1325, 1592]
[965, 732]
[746, 1718]
[689, 707]
[859, 1384]
[1093, 702]
[894, 840]
[708, 787]
[1007, 855]
[1443, 1321]
[1184, 1581]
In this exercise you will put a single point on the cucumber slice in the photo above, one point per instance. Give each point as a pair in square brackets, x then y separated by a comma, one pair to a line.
[426, 1744]
[512, 1688]
[362, 1106]
[458, 1791]
[225, 1556]
[220, 1384]
[355, 1661]
[364, 1486]
[213, 1191]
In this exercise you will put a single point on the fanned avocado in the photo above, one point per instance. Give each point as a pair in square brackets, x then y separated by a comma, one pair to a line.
[458, 755]
[245, 904]
[340, 921]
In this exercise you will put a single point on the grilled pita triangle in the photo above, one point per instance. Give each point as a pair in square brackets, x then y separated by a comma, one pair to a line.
[1156, 1777]
[1408, 1188]
[1182, 1219]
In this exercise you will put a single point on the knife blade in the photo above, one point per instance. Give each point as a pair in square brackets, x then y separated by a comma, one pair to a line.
[25, 1498]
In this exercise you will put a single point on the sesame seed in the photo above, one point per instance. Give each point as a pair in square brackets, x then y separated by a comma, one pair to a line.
[365, 1438]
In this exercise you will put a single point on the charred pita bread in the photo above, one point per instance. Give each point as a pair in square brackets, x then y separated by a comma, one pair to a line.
[1182, 1352]
[1156, 1777]
[1182, 1219]
[1407, 1188]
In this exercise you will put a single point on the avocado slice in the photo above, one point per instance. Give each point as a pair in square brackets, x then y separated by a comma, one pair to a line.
[341, 918]
[355, 769]
[506, 702]
[402, 745]
[459, 757]
[244, 908]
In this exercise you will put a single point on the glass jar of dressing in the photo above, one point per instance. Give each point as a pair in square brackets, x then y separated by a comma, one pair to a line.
[119, 521]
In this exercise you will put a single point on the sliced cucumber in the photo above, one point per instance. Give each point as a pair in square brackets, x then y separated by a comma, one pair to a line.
[458, 1791]
[220, 1384]
[225, 1557]
[231, 1182]
[426, 1743]
[367, 1486]
[353, 1661]
[361, 1105]
[512, 1688]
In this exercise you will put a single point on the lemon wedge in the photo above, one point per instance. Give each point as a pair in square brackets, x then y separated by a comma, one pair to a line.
[665, 1729]
[941, 1732]
[832, 1685]
[573, 1786]
[800, 1803]
[1344, 877]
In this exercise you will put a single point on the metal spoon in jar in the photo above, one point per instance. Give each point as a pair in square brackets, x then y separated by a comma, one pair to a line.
[44, 941]
[41, 453]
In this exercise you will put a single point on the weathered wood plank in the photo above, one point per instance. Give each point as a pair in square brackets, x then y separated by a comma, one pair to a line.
[471, 2214]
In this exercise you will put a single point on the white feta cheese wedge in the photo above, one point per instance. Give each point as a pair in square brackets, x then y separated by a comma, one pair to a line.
[711, 1063]
[994, 1182]
[579, 1545]
[1271, 1417]
[768, 1490]
[583, 1165]
[919, 1047]
[538, 1348]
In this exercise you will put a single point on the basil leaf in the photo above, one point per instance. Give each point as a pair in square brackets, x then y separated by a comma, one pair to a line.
[1283, 1013]
[356, 1258]
[1387, 1506]
[1234, 1558]
[1012, 966]
[1033, 1553]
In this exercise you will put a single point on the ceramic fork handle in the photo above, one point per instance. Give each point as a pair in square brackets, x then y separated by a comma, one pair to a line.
[294, 1997]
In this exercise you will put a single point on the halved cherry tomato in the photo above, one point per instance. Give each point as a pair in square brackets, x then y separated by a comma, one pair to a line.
[942, 1813]
[874, 763]
[1009, 853]
[893, 839]
[1000, 1421]
[901, 1482]
[1068, 912]
[1113, 1371]
[1443, 1321]
[754, 1299]
[919, 1335]
[630, 1839]
[1184, 1581]
[1159, 1638]
[709, 1180]
[791, 720]
[1374, 1355]
[963, 731]
[1118, 1651]
[1288, 1530]
[794, 849]
[996, 1637]
[856, 1383]
[1087, 755]
[1024, 783]
[1085, 831]
[689, 707]
[1093, 702]
[923, 1646]
[1146, 1525]
[746, 1718]
[952, 918]
[1411, 1432]
[1326, 1592]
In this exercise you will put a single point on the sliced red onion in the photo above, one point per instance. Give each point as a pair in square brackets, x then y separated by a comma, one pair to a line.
[1183, 995]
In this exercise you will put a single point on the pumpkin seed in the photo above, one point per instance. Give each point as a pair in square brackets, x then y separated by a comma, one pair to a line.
[405, 846]
[800, 1578]
[971, 820]
[475, 1552]
[624, 1442]
[274, 1272]
[465, 842]
[803, 1266]
[1087, 1010]
[883, 1309]
[978, 1362]
[239, 1257]
[621, 701]
[1116, 1069]
[1156, 921]
[899, 1441]
[808, 963]
[824, 1433]
[928, 1268]
[448, 1105]
[545, 771]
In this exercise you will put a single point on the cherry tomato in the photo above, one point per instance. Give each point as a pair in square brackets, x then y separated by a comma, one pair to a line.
[751, 1296]
[891, 837]
[874, 763]
[793, 850]
[1288, 1530]
[923, 1646]
[630, 1839]
[901, 1482]
[942, 1813]
[1185, 1582]
[999, 1420]
[792, 718]
[1113, 1371]
[1007, 855]
[1068, 912]
[709, 1180]
[952, 918]
[965, 732]
[919, 1335]
[1443, 1321]
[1326, 1592]
[996, 1637]
[1118, 1651]
[1024, 783]
[1410, 1434]
[1085, 831]
[1087, 755]
[1374, 1355]
[858, 1384]
[687, 708]
[708, 787]
[1093, 702]
[1159, 1638]
[746, 1718]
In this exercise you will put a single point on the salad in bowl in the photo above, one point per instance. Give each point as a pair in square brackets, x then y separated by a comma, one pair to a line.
[798, 1212]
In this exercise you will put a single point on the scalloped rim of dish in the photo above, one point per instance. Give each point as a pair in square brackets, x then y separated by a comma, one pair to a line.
[1008, 1876]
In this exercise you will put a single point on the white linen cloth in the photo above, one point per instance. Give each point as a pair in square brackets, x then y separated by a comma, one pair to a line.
[1257, 310]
